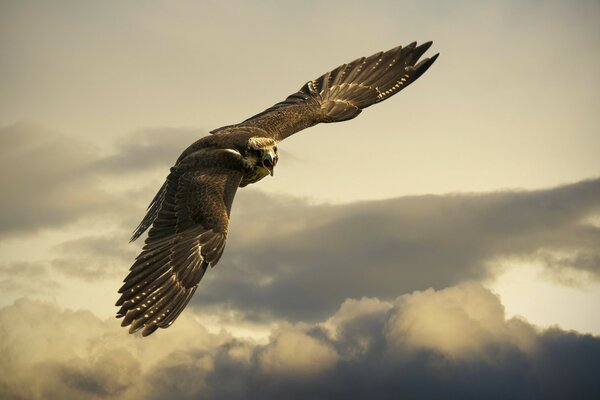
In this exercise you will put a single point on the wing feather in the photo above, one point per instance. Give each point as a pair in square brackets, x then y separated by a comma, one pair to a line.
[187, 236]
[341, 94]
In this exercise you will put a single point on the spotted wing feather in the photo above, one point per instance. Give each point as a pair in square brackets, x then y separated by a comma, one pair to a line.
[187, 236]
[342, 93]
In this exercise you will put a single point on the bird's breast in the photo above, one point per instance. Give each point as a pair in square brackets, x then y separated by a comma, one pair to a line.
[253, 175]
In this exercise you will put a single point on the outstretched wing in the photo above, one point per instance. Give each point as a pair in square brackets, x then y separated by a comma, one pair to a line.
[343, 93]
[187, 235]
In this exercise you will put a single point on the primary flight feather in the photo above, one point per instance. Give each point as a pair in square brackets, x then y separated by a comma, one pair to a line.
[189, 216]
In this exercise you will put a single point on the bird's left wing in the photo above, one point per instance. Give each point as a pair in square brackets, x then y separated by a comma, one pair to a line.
[187, 236]
[342, 93]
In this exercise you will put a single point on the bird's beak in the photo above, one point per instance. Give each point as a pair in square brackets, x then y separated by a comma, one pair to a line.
[270, 161]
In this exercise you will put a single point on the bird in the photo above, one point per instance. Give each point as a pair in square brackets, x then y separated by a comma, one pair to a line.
[188, 218]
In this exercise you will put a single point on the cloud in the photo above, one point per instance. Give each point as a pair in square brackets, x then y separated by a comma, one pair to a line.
[39, 170]
[52, 353]
[287, 258]
[450, 343]
[295, 353]
[53, 179]
[25, 278]
[148, 148]
[460, 322]
[95, 257]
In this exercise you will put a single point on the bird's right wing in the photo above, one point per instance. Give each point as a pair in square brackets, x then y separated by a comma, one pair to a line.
[343, 93]
[187, 235]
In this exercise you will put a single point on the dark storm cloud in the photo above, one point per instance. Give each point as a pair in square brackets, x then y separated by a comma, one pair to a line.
[49, 179]
[451, 343]
[289, 259]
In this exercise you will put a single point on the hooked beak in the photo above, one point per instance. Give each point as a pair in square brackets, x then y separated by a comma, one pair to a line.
[269, 162]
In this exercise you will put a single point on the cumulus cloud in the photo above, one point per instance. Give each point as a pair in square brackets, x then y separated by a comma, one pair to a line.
[451, 343]
[459, 322]
[295, 353]
[52, 353]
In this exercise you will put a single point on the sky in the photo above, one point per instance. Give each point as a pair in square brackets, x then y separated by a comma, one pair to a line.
[443, 244]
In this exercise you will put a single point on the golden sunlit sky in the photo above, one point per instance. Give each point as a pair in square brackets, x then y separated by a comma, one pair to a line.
[457, 224]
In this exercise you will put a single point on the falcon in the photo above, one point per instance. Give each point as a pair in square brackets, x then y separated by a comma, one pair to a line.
[189, 216]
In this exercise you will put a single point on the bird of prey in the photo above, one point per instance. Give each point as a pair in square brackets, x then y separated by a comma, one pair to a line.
[189, 216]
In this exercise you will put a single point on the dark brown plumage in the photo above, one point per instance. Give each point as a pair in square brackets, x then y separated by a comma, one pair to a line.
[189, 216]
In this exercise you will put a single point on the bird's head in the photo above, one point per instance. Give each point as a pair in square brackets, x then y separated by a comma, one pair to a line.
[261, 153]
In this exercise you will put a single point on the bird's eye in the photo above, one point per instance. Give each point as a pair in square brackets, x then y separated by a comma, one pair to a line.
[258, 153]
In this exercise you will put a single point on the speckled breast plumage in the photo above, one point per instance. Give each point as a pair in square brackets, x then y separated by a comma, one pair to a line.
[253, 175]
